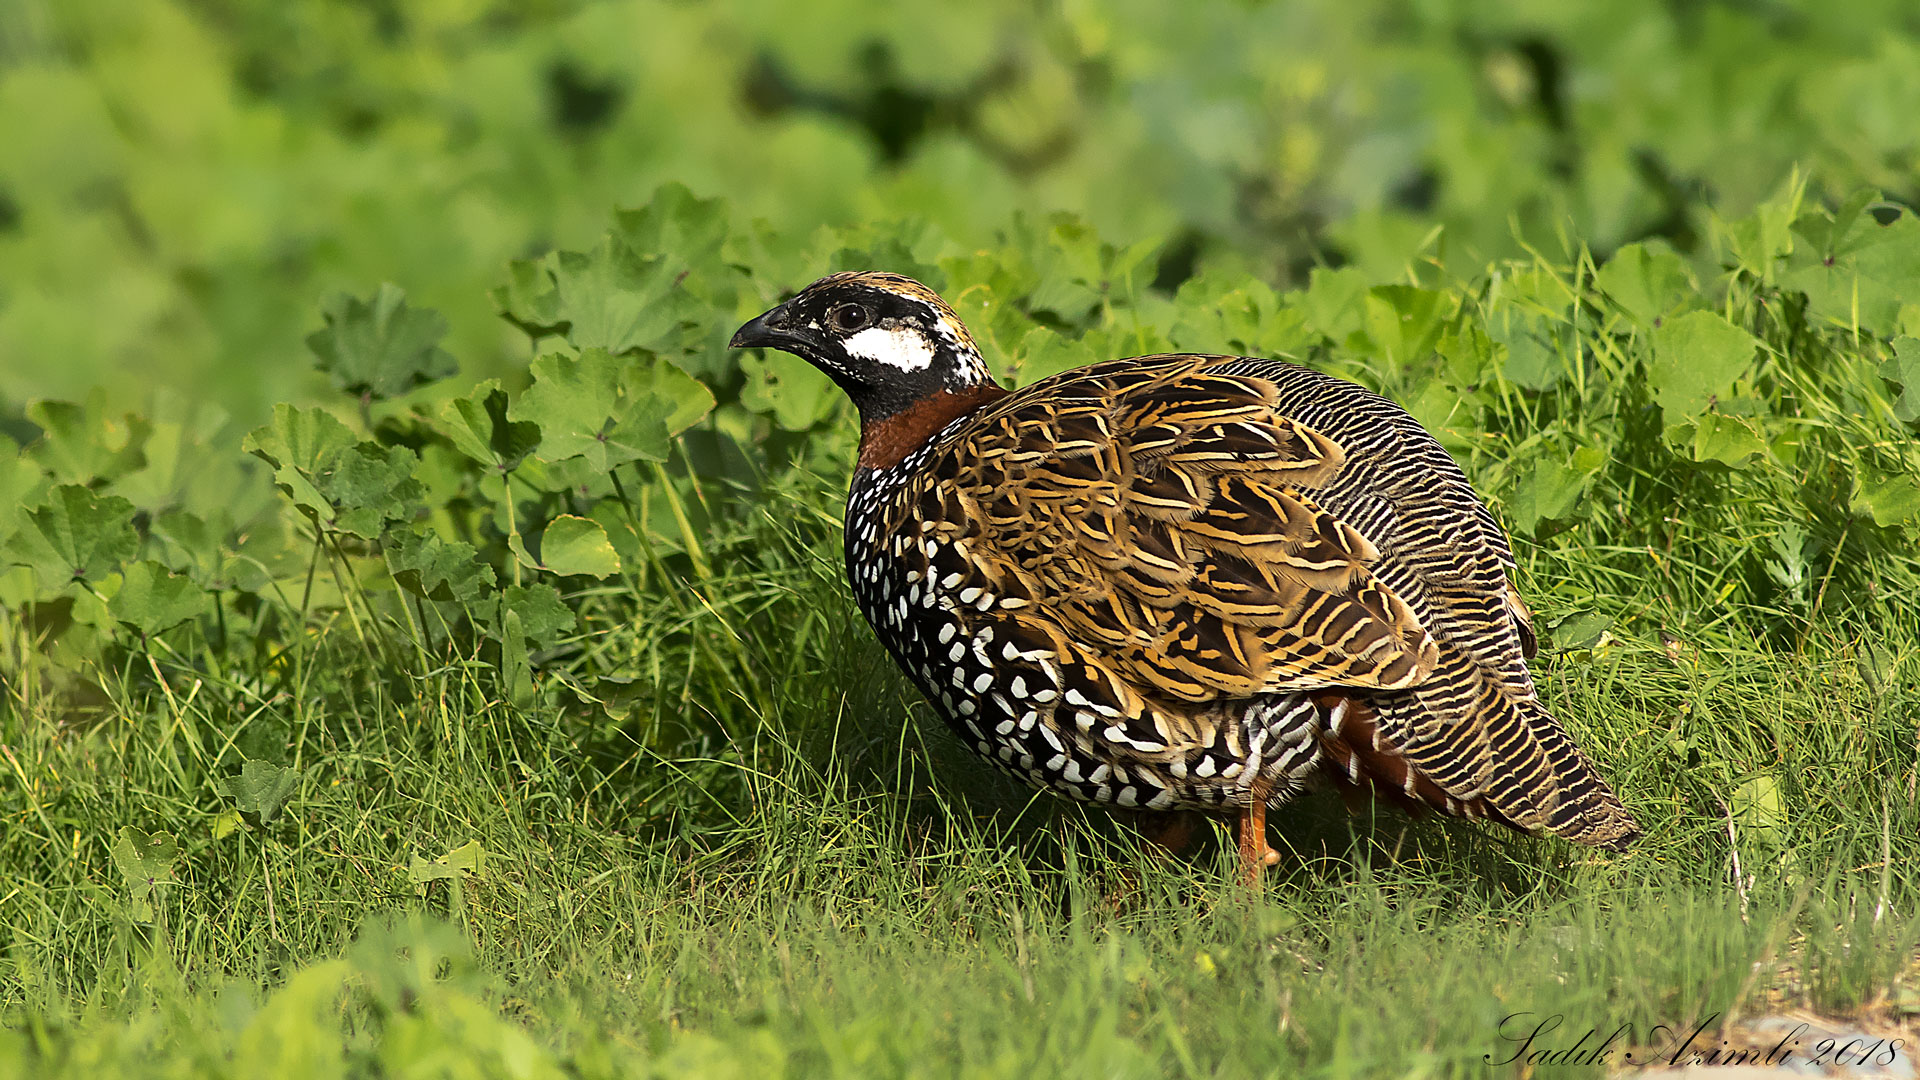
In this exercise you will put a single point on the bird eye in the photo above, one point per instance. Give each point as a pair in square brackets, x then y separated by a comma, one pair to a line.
[849, 318]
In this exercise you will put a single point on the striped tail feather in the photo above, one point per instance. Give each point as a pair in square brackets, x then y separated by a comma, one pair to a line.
[1582, 807]
[1360, 762]
[1501, 757]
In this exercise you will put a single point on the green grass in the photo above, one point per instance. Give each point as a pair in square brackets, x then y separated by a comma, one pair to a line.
[832, 888]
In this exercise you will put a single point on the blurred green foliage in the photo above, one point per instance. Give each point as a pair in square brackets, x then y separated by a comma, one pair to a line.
[183, 178]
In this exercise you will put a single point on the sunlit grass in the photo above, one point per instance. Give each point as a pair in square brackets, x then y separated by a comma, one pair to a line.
[830, 884]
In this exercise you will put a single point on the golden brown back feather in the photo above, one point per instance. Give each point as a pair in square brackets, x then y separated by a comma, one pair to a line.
[1204, 530]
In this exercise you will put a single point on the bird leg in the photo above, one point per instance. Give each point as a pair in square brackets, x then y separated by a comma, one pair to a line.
[1255, 855]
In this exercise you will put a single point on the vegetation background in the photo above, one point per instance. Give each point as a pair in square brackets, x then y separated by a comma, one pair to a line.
[423, 646]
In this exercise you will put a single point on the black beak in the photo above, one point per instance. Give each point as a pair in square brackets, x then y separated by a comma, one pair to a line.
[765, 331]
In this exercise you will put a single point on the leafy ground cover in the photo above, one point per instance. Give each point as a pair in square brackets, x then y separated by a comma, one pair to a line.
[184, 178]
[522, 726]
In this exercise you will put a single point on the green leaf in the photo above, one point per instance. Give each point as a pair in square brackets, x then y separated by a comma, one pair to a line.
[1888, 500]
[530, 299]
[145, 861]
[1790, 567]
[516, 670]
[1826, 234]
[527, 615]
[469, 857]
[1530, 311]
[677, 398]
[609, 410]
[1232, 313]
[1759, 808]
[1333, 302]
[380, 347]
[789, 389]
[1730, 440]
[1466, 352]
[1403, 322]
[261, 790]
[542, 615]
[1696, 358]
[1533, 351]
[1531, 362]
[1581, 631]
[87, 443]
[339, 482]
[651, 284]
[1044, 352]
[621, 532]
[577, 545]
[367, 486]
[1552, 487]
[1863, 274]
[226, 823]
[1758, 241]
[1067, 257]
[21, 486]
[1904, 370]
[218, 556]
[427, 566]
[478, 427]
[185, 460]
[895, 246]
[1450, 413]
[77, 536]
[578, 403]
[303, 439]
[298, 443]
[1647, 280]
[151, 599]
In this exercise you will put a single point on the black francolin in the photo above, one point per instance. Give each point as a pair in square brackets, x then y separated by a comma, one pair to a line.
[1186, 582]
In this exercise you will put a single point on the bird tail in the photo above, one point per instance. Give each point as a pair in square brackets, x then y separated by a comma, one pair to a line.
[1488, 754]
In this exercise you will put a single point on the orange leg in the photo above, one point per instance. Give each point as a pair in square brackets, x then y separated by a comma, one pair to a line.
[1255, 855]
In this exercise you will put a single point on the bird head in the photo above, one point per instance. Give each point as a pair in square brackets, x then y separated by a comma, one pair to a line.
[888, 341]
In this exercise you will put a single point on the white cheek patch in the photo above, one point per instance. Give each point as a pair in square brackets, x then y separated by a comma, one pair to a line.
[903, 349]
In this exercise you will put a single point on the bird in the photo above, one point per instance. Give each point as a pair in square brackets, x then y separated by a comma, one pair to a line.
[1186, 581]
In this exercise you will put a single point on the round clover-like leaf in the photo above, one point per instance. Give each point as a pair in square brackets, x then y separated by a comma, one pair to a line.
[542, 616]
[479, 428]
[653, 283]
[145, 860]
[577, 545]
[1696, 358]
[1888, 500]
[303, 439]
[609, 410]
[261, 790]
[380, 347]
[1648, 281]
[77, 536]
[1904, 368]
[469, 858]
[427, 566]
[151, 599]
[87, 442]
